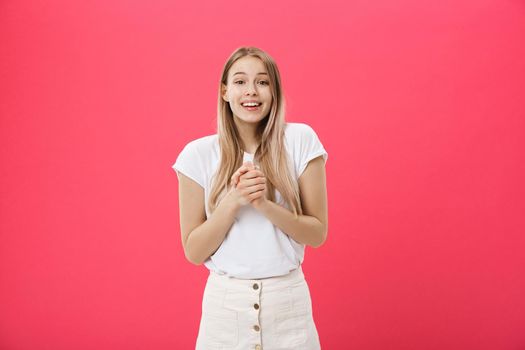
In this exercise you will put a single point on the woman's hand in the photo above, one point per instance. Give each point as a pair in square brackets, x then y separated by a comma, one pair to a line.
[249, 185]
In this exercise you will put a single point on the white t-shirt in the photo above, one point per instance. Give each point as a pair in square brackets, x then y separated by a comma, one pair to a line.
[253, 247]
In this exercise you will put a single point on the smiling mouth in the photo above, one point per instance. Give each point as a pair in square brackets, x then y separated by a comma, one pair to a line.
[251, 108]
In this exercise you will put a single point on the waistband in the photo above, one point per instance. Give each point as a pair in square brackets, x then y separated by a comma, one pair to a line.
[269, 283]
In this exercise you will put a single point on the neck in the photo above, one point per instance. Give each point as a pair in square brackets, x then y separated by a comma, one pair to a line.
[248, 134]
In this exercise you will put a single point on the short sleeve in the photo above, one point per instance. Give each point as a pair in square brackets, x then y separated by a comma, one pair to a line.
[311, 147]
[189, 163]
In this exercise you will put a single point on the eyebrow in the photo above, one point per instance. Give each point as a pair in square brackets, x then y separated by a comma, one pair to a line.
[245, 73]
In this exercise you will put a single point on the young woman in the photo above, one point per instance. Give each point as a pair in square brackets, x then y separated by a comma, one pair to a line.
[251, 198]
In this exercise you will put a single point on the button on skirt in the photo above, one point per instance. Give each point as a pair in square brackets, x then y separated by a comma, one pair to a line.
[272, 313]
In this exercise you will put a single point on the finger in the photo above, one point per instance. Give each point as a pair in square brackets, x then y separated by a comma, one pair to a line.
[242, 170]
[260, 187]
[255, 195]
[235, 179]
[248, 166]
[254, 180]
[254, 186]
[252, 174]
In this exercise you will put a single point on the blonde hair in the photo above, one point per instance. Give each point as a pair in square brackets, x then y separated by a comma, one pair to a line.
[270, 155]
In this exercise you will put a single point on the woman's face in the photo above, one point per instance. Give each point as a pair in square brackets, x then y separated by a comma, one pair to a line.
[248, 80]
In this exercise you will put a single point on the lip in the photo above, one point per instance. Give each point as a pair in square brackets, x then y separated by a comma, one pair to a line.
[252, 108]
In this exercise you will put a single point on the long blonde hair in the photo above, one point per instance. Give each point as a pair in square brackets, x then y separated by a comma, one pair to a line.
[270, 155]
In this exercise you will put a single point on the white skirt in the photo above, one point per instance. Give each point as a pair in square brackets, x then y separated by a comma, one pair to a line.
[272, 313]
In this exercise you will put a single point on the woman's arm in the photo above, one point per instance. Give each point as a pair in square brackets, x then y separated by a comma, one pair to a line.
[201, 237]
[311, 228]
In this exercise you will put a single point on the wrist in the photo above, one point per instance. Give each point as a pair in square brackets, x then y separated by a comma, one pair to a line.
[230, 204]
[262, 205]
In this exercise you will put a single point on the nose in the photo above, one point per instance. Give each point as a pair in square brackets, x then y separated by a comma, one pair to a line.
[250, 89]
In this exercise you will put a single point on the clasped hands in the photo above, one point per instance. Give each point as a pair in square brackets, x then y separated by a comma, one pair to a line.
[249, 185]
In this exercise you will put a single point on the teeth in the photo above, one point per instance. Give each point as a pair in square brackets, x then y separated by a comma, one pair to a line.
[252, 104]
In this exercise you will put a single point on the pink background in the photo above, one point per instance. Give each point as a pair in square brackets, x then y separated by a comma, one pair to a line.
[418, 103]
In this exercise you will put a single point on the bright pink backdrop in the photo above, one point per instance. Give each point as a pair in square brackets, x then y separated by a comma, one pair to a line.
[418, 103]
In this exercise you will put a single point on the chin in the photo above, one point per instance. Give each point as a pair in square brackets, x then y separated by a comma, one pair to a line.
[251, 119]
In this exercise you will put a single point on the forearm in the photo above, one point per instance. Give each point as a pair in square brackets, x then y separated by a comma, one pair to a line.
[305, 229]
[205, 239]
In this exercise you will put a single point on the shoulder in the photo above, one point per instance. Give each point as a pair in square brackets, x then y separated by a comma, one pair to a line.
[299, 131]
[304, 145]
[296, 127]
[201, 145]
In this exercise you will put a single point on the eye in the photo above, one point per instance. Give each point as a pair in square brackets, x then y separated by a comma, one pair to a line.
[265, 82]
[238, 81]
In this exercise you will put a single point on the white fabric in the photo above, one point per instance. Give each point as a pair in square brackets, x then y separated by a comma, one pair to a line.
[273, 313]
[254, 247]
